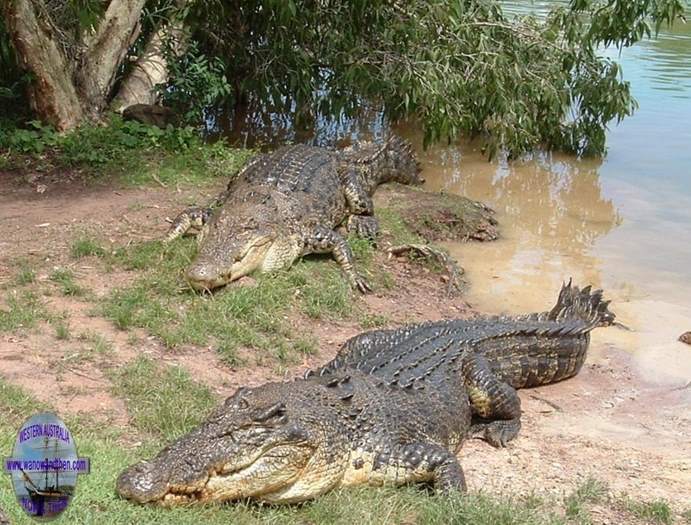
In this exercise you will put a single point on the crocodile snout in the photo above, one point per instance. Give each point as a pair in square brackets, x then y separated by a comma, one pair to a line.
[142, 483]
[203, 277]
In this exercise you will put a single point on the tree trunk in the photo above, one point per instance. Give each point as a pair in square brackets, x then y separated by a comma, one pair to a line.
[105, 50]
[52, 94]
[151, 68]
[64, 94]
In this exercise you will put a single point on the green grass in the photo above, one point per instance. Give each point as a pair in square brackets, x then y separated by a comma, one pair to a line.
[655, 511]
[239, 316]
[197, 163]
[16, 405]
[134, 153]
[686, 515]
[590, 491]
[26, 276]
[64, 278]
[85, 246]
[24, 311]
[97, 345]
[369, 321]
[62, 329]
[393, 224]
[93, 348]
[161, 400]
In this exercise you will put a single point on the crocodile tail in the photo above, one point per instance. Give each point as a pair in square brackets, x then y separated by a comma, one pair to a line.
[372, 153]
[586, 304]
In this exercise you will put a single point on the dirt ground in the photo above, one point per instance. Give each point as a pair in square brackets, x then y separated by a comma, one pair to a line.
[608, 422]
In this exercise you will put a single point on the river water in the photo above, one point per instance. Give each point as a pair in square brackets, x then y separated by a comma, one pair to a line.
[622, 223]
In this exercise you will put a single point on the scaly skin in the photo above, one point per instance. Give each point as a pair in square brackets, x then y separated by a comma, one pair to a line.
[287, 204]
[393, 407]
[510, 353]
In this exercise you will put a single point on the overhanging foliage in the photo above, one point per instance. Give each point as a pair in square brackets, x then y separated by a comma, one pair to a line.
[456, 66]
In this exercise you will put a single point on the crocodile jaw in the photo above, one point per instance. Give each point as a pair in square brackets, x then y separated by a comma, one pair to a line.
[208, 273]
[275, 470]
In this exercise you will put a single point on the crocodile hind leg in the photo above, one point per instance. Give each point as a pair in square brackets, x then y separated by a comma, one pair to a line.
[323, 240]
[493, 400]
[361, 222]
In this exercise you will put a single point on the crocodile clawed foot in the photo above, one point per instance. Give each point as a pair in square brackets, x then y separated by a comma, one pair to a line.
[190, 221]
[364, 226]
[498, 433]
[361, 284]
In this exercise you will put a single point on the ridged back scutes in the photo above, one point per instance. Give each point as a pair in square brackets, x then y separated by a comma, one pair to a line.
[294, 168]
[585, 304]
[411, 355]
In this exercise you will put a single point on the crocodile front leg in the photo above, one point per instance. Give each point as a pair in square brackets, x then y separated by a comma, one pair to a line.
[190, 220]
[443, 466]
[491, 399]
[323, 240]
[361, 221]
[193, 220]
[420, 462]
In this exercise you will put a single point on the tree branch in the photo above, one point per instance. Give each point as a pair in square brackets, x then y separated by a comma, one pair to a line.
[151, 68]
[105, 50]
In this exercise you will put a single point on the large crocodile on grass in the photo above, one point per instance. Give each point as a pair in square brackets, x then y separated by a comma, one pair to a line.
[287, 204]
[393, 412]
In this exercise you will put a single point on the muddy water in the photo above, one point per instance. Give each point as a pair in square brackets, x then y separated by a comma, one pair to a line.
[622, 223]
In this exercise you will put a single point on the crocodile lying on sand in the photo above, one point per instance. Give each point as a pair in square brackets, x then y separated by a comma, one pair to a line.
[287, 204]
[512, 352]
[393, 407]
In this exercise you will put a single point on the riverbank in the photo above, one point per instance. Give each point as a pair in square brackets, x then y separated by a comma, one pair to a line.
[96, 323]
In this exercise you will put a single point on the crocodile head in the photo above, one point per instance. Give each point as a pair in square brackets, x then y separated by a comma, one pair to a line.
[235, 244]
[262, 443]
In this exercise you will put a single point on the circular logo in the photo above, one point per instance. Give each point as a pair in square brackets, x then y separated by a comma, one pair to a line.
[44, 466]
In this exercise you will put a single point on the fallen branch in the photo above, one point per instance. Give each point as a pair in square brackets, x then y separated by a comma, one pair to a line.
[425, 250]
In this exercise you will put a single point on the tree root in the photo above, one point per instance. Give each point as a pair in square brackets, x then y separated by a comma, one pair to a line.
[454, 272]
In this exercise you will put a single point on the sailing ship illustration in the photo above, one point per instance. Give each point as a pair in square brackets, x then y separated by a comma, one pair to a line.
[48, 497]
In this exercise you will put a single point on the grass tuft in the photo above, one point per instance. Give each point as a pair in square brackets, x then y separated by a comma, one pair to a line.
[24, 311]
[62, 330]
[86, 246]
[26, 276]
[64, 277]
[161, 400]
[656, 511]
[590, 491]
[369, 321]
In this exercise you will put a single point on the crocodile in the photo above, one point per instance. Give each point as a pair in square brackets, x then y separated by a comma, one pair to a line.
[514, 352]
[288, 203]
[391, 412]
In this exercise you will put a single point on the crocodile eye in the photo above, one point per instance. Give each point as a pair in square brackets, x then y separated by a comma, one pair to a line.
[274, 411]
[238, 400]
